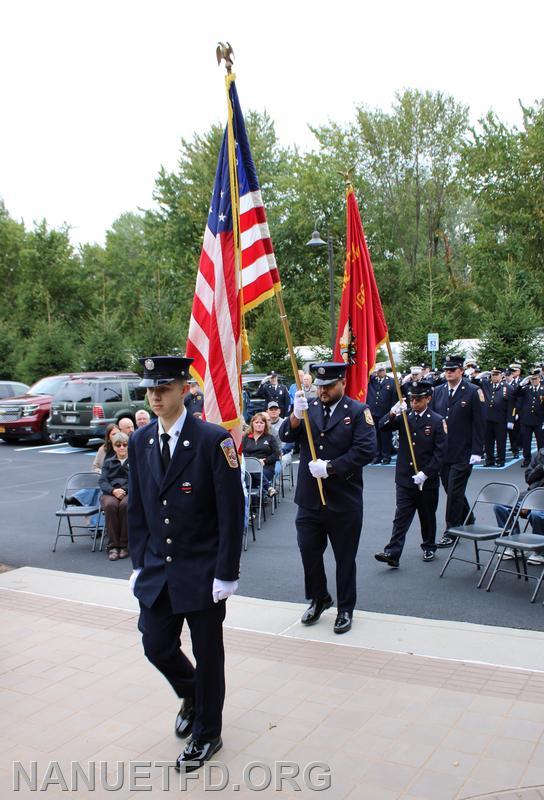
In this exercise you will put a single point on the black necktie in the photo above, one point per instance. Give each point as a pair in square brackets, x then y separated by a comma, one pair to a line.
[451, 393]
[326, 416]
[165, 452]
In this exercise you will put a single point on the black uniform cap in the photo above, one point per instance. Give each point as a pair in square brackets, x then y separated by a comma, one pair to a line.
[420, 389]
[453, 362]
[159, 370]
[329, 372]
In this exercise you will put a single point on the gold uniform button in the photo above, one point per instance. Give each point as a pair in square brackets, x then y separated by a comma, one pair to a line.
[321, 447]
[169, 559]
[169, 541]
[167, 521]
[165, 502]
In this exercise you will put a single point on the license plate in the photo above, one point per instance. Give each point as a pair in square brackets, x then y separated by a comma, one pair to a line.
[70, 419]
[2, 429]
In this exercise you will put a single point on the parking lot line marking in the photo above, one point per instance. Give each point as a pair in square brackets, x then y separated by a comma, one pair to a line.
[38, 447]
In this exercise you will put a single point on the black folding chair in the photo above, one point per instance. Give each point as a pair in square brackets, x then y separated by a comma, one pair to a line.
[505, 494]
[72, 509]
[250, 517]
[255, 468]
[521, 544]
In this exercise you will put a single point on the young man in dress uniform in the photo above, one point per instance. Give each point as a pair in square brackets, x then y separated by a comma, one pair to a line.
[461, 404]
[186, 519]
[379, 398]
[345, 440]
[416, 491]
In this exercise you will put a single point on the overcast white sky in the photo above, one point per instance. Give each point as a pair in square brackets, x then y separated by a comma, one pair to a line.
[96, 94]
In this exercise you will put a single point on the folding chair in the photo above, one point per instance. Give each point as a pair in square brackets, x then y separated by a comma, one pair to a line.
[522, 543]
[255, 468]
[494, 493]
[249, 519]
[70, 510]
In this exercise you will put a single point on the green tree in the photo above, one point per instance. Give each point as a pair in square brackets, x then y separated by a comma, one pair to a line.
[103, 347]
[508, 335]
[51, 349]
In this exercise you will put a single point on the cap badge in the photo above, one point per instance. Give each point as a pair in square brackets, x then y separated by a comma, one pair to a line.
[321, 371]
[149, 363]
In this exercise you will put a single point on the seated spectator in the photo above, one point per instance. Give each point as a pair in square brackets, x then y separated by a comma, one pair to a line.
[105, 450]
[293, 388]
[260, 443]
[194, 401]
[142, 418]
[534, 477]
[114, 501]
[310, 392]
[126, 426]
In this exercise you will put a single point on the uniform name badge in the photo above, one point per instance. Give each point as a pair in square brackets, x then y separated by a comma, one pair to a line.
[229, 451]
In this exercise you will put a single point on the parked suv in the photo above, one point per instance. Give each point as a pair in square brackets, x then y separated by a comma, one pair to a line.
[25, 416]
[83, 408]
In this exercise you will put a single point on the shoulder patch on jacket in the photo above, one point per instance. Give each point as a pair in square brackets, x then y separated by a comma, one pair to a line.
[368, 417]
[481, 396]
[229, 451]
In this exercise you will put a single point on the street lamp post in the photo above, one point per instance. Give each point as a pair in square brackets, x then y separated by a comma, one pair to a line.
[317, 241]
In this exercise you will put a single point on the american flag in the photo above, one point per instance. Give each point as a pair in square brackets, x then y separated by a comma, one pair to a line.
[224, 290]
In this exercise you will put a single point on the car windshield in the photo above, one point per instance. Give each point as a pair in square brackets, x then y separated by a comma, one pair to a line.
[74, 392]
[46, 386]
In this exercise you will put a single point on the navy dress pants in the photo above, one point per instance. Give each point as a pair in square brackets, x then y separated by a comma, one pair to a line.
[205, 682]
[343, 530]
[409, 500]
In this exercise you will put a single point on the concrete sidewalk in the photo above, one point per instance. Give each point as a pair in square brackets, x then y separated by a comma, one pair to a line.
[398, 709]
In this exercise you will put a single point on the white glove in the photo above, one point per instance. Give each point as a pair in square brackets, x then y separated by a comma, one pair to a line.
[468, 372]
[510, 426]
[223, 589]
[474, 460]
[318, 468]
[419, 479]
[300, 404]
[399, 407]
[133, 577]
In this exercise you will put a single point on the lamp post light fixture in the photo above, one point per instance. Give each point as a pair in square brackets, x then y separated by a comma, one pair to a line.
[317, 241]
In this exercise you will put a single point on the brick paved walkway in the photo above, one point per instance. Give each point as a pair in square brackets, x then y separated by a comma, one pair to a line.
[74, 686]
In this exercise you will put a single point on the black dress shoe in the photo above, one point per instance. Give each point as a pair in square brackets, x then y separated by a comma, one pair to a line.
[499, 464]
[314, 611]
[342, 623]
[386, 460]
[525, 462]
[184, 720]
[385, 558]
[377, 460]
[489, 464]
[196, 752]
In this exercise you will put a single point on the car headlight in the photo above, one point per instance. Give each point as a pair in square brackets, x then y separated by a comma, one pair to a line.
[27, 411]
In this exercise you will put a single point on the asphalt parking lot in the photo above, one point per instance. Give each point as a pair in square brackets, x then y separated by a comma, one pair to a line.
[32, 481]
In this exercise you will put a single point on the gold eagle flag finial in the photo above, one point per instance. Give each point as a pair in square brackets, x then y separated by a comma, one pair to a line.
[224, 52]
[346, 174]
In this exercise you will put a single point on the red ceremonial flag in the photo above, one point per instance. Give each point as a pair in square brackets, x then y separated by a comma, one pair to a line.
[237, 271]
[361, 328]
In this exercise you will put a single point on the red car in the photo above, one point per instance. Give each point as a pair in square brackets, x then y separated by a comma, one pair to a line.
[25, 416]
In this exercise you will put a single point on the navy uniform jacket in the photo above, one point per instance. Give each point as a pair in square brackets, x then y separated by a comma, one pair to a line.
[194, 403]
[279, 393]
[465, 420]
[185, 528]
[429, 441]
[349, 442]
[380, 397]
[497, 399]
[529, 404]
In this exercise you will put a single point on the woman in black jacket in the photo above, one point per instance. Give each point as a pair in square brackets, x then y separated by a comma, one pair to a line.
[260, 443]
[114, 485]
